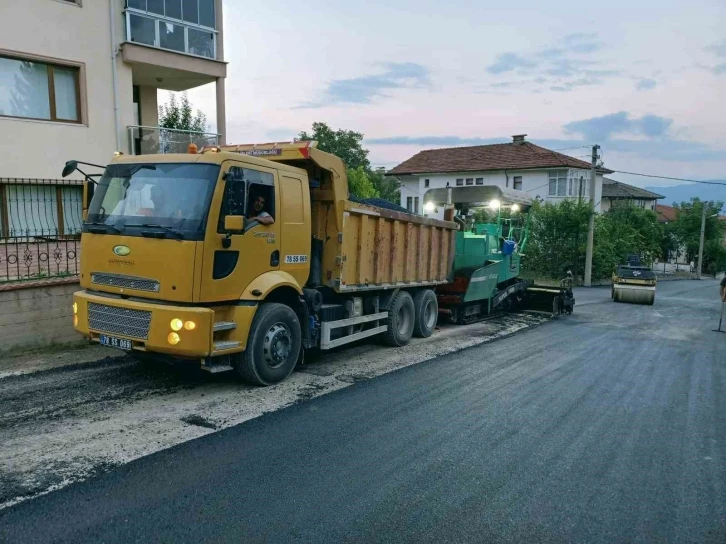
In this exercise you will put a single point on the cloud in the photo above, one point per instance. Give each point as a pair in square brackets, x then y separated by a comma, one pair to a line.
[364, 89]
[562, 66]
[602, 128]
[435, 141]
[719, 49]
[507, 62]
[645, 84]
[719, 69]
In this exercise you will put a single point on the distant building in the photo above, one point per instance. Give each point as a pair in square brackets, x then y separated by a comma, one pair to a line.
[617, 193]
[519, 165]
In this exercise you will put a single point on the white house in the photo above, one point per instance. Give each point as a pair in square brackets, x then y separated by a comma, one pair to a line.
[519, 165]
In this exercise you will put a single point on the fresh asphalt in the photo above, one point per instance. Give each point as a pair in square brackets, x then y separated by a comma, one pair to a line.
[605, 426]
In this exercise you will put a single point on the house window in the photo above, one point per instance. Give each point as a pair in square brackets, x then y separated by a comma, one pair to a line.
[197, 12]
[480, 181]
[415, 205]
[470, 181]
[409, 203]
[36, 90]
[518, 183]
[426, 183]
[460, 182]
[558, 183]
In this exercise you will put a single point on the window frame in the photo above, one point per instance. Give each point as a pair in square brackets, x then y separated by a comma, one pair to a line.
[469, 182]
[515, 180]
[479, 181]
[459, 182]
[50, 65]
[248, 184]
[427, 183]
[557, 175]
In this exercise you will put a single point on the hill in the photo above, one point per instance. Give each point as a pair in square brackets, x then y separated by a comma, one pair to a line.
[686, 191]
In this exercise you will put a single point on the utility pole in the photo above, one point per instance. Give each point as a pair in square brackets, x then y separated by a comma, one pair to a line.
[700, 246]
[591, 223]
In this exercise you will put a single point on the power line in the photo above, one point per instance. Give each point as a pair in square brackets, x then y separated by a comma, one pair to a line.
[673, 179]
[576, 147]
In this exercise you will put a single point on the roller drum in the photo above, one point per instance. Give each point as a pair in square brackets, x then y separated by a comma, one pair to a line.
[634, 294]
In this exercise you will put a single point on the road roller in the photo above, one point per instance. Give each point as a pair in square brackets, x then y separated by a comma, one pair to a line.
[634, 285]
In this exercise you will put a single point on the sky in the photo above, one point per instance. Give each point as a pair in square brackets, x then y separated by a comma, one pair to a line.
[644, 79]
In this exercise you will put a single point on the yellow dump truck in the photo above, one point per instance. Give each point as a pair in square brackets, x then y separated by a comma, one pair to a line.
[242, 257]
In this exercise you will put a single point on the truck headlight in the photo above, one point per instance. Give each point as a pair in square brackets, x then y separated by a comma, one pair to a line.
[173, 338]
[176, 324]
[190, 325]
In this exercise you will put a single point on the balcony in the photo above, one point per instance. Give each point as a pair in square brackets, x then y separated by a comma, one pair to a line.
[154, 140]
[173, 44]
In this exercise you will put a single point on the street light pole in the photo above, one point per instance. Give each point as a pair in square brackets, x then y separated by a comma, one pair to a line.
[700, 246]
[591, 222]
[703, 235]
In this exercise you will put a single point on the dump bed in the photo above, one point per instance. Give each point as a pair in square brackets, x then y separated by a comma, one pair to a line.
[381, 248]
[360, 247]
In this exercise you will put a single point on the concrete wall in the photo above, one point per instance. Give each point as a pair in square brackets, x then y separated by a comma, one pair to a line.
[36, 317]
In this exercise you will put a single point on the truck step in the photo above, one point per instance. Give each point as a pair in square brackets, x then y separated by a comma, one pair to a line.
[214, 369]
[224, 326]
[223, 345]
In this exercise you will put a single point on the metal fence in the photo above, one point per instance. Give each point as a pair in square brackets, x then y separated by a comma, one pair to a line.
[40, 228]
[152, 140]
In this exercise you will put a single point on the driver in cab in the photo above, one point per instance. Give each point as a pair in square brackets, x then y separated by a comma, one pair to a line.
[258, 212]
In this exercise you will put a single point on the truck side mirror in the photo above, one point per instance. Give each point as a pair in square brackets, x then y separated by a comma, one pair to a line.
[234, 223]
[88, 188]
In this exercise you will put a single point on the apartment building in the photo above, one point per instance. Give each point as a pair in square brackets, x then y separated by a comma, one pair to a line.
[79, 79]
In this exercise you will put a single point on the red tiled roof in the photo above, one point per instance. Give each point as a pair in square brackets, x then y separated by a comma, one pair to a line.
[665, 213]
[479, 158]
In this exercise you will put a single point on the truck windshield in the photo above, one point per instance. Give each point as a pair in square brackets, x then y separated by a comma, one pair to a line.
[130, 197]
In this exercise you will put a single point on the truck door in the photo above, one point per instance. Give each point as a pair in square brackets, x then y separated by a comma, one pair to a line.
[228, 270]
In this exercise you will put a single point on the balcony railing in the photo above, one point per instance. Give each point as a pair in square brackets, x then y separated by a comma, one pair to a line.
[152, 140]
[172, 34]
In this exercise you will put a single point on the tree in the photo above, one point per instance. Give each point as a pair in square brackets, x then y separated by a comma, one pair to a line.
[346, 144]
[359, 184]
[687, 231]
[181, 116]
[388, 187]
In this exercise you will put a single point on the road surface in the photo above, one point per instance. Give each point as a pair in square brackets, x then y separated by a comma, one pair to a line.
[605, 426]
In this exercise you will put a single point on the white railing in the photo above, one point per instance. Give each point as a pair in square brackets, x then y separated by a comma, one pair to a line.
[171, 34]
[153, 140]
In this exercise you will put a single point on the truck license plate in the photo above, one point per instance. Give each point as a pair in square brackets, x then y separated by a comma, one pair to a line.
[119, 343]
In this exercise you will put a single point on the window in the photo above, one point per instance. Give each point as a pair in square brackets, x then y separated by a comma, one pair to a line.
[198, 12]
[480, 181]
[426, 183]
[470, 181]
[177, 25]
[35, 90]
[415, 205]
[242, 190]
[460, 182]
[558, 183]
[33, 210]
[167, 194]
[517, 183]
[409, 203]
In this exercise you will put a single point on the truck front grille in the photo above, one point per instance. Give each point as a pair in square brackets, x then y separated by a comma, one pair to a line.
[125, 282]
[133, 323]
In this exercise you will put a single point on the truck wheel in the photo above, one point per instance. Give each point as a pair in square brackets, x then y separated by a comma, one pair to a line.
[400, 321]
[426, 310]
[273, 345]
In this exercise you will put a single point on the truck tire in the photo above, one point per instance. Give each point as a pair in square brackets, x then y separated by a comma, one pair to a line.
[400, 321]
[426, 310]
[273, 345]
